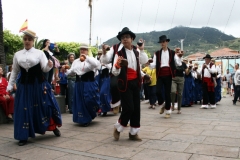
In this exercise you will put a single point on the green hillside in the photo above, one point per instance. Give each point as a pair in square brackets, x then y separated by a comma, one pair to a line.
[195, 39]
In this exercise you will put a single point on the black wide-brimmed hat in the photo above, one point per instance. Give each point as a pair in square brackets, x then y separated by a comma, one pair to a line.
[207, 56]
[163, 38]
[125, 30]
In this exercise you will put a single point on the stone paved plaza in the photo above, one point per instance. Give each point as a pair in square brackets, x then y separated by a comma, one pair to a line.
[196, 134]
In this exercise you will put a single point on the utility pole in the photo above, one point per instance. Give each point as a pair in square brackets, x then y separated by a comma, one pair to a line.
[181, 41]
[90, 6]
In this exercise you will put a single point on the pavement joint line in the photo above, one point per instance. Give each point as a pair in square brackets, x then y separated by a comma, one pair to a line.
[67, 150]
[77, 152]
[9, 157]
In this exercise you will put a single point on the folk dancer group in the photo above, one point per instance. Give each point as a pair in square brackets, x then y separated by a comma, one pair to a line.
[111, 81]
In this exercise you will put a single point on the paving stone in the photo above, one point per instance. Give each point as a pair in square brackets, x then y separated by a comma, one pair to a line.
[196, 121]
[227, 128]
[166, 124]
[197, 126]
[7, 149]
[116, 150]
[38, 154]
[151, 135]
[95, 137]
[6, 133]
[153, 129]
[165, 145]
[213, 150]
[79, 145]
[124, 141]
[184, 138]
[6, 158]
[150, 154]
[204, 157]
[225, 123]
[3, 141]
[76, 157]
[49, 139]
[227, 134]
[184, 131]
[222, 141]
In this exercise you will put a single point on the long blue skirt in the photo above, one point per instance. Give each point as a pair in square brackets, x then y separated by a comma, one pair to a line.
[218, 94]
[187, 96]
[86, 101]
[105, 96]
[197, 90]
[33, 110]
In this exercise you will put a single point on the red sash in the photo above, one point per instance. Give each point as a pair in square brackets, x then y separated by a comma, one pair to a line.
[210, 83]
[164, 71]
[131, 74]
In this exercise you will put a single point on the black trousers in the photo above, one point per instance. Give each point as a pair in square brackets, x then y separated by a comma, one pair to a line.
[64, 92]
[130, 101]
[146, 91]
[114, 90]
[165, 81]
[236, 93]
[208, 97]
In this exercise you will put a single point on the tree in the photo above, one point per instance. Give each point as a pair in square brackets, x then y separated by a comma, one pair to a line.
[38, 44]
[12, 44]
[2, 54]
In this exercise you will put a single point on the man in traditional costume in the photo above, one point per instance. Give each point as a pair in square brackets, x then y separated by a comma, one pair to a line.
[165, 62]
[107, 57]
[178, 84]
[208, 72]
[127, 67]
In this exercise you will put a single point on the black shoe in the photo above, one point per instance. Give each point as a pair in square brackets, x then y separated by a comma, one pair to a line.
[10, 119]
[22, 142]
[234, 103]
[57, 132]
[70, 112]
[85, 124]
[104, 114]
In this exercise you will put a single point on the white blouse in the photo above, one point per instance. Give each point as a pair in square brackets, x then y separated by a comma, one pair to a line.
[80, 68]
[27, 59]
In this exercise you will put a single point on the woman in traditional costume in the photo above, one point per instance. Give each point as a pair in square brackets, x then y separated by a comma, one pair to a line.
[35, 108]
[104, 87]
[86, 99]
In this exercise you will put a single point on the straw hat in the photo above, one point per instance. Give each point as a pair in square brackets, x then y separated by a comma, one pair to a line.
[84, 45]
[100, 51]
[30, 33]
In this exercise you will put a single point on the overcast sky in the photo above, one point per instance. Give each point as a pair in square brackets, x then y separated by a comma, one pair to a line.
[68, 20]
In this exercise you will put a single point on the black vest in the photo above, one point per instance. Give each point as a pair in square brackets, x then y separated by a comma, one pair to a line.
[89, 76]
[171, 61]
[122, 77]
[33, 73]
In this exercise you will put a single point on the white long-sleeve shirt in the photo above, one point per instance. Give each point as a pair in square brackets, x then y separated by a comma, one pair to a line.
[208, 71]
[80, 68]
[27, 59]
[165, 60]
[131, 58]
[237, 77]
[218, 69]
[107, 58]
